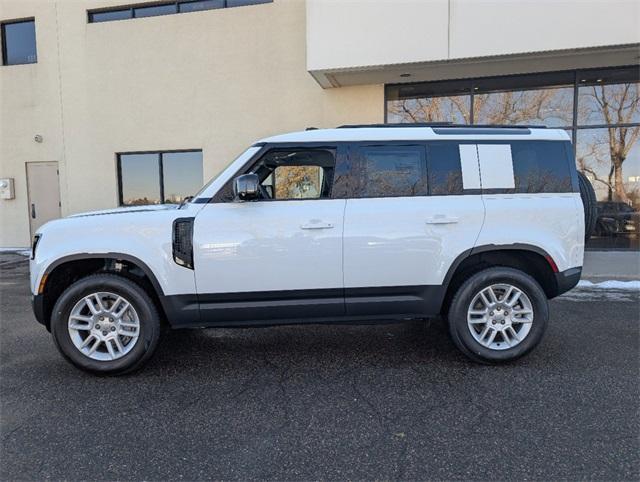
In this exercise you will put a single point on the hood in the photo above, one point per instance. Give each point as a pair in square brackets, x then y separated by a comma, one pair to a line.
[132, 209]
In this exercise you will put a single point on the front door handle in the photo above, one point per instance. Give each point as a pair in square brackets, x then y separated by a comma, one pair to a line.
[442, 219]
[33, 210]
[316, 224]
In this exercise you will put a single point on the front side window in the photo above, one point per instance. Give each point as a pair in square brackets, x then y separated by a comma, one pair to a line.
[19, 43]
[158, 177]
[296, 174]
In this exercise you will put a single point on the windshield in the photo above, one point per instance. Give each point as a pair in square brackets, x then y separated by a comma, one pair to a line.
[244, 156]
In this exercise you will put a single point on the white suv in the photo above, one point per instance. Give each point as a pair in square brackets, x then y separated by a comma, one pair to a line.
[478, 224]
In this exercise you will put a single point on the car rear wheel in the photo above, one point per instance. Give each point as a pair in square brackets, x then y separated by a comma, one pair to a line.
[105, 324]
[498, 315]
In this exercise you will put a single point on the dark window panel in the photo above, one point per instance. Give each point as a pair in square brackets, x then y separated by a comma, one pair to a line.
[110, 15]
[445, 170]
[182, 173]
[200, 5]
[140, 179]
[541, 167]
[392, 171]
[19, 43]
[155, 10]
[242, 3]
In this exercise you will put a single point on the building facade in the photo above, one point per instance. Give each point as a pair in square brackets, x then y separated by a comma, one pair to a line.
[107, 102]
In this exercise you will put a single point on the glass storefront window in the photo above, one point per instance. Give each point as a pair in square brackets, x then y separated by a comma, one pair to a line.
[549, 107]
[456, 109]
[610, 158]
[605, 129]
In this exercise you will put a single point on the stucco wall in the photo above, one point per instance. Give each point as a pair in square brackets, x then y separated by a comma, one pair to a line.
[347, 34]
[213, 80]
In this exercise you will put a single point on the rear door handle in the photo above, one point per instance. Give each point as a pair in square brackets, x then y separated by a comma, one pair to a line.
[315, 224]
[442, 219]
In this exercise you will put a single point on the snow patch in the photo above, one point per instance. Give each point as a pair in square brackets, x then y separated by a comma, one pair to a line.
[611, 285]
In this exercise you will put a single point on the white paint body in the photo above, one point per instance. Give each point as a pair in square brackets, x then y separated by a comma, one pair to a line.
[328, 243]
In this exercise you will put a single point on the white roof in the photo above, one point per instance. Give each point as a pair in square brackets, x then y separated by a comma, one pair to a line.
[415, 134]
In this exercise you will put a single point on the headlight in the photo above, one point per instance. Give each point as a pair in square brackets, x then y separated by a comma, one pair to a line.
[34, 245]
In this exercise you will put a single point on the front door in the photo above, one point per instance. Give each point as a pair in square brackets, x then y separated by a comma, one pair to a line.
[43, 191]
[278, 257]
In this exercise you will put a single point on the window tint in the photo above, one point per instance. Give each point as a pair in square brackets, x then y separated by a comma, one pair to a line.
[110, 15]
[296, 174]
[387, 171]
[155, 10]
[166, 8]
[445, 172]
[19, 43]
[182, 174]
[242, 3]
[157, 177]
[140, 179]
[200, 5]
[541, 166]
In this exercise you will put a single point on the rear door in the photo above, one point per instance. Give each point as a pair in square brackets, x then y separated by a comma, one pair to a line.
[407, 218]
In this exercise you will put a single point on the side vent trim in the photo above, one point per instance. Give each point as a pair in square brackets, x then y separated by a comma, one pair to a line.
[182, 242]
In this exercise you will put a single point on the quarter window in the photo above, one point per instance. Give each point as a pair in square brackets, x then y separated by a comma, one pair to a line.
[159, 177]
[541, 166]
[19, 43]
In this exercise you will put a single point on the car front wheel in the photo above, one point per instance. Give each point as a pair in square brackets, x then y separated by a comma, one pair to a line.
[498, 315]
[105, 324]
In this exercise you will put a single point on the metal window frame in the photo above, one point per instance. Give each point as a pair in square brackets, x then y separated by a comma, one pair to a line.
[160, 155]
[132, 8]
[3, 39]
[575, 85]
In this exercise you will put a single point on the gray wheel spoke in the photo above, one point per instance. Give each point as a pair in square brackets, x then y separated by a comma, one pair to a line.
[500, 309]
[98, 321]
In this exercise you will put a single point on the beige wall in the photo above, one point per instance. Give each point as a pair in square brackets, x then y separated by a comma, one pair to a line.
[215, 80]
[361, 41]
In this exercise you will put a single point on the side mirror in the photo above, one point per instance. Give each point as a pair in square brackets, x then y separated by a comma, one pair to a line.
[246, 187]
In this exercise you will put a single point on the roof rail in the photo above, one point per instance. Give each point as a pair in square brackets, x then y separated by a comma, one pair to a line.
[444, 124]
[415, 124]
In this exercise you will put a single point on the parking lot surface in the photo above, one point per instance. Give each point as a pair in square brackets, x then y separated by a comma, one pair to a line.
[392, 401]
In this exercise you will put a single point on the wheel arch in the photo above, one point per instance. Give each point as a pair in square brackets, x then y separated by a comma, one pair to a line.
[530, 259]
[66, 270]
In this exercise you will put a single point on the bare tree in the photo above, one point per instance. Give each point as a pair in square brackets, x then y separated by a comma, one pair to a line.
[615, 104]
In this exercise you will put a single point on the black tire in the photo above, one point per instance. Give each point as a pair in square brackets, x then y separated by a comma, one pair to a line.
[457, 317]
[141, 302]
[588, 196]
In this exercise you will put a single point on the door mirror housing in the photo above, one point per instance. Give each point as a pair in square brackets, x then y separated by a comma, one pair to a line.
[246, 187]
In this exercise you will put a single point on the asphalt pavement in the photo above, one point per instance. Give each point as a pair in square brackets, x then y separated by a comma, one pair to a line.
[392, 401]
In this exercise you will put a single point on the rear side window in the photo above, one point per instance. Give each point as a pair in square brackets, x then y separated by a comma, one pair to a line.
[445, 171]
[541, 166]
[391, 171]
